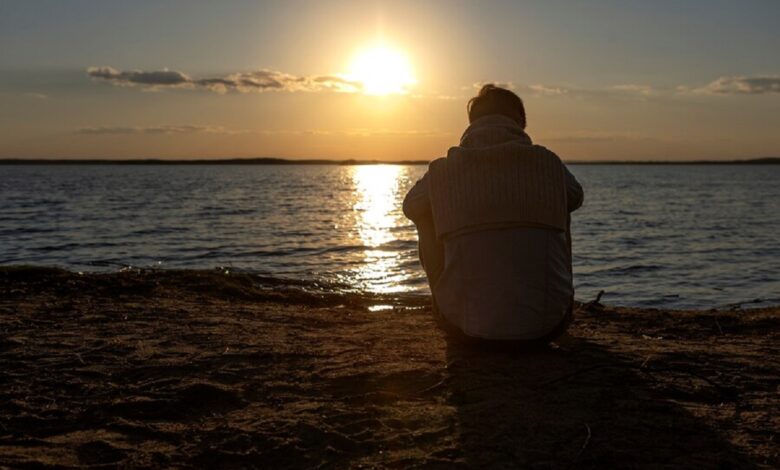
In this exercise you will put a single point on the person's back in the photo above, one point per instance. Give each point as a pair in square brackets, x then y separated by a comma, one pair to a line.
[494, 231]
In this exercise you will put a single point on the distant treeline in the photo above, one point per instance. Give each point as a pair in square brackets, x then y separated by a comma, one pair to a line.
[284, 161]
[206, 161]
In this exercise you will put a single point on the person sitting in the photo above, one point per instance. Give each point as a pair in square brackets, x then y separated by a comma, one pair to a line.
[493, 222]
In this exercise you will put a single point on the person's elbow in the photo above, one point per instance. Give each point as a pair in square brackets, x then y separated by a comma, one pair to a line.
[416, 203]
[575, 198]
[574, 193]
[407, 208]
[415, 207]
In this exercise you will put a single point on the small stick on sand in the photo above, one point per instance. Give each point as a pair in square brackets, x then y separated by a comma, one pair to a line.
[434, 386]
[584, 444]
[595, 302]
[717, 323]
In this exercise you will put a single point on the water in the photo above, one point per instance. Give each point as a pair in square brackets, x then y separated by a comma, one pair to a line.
[662, 236]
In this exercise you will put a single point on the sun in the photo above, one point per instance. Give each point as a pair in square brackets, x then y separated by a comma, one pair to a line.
[382, 71]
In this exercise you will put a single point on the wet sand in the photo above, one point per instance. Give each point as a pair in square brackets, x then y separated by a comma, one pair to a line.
[207, 369]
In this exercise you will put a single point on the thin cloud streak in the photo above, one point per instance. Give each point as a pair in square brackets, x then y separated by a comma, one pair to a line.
[645, 90]
[359, 132]
[586, 138]
[139, 77]
[195, 129]
[154, 130]
[547, 90]
[479, 85]
[241, 82]
[758, 85]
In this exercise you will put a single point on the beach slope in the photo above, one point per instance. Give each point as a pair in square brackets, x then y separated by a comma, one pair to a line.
[215, 369]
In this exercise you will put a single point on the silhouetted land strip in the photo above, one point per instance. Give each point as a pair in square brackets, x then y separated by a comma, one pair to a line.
[216, 161]
[210, 369]
[284, 161]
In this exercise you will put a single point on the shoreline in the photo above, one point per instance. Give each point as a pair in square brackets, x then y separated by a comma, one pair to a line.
[208, 369]
[335, 290]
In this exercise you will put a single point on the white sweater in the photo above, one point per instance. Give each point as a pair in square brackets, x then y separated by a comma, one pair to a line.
[496, 281]
[497, 177]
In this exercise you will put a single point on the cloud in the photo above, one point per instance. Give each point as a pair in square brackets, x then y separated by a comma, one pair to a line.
[440, 96]
[630, 90]
[742, 85]
[154, 130]
[196, 129]
[635, 88]
[540, 89]
[359, 132]
[479, 85]
[595, 138]
[393, 133]
[547, 90]
[138, 77]
[241, 82]
[573, 139]
[536, 89]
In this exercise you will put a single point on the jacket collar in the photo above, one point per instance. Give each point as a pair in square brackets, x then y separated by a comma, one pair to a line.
[493, 129]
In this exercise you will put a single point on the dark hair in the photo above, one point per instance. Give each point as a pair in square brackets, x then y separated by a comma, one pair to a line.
[495, 100]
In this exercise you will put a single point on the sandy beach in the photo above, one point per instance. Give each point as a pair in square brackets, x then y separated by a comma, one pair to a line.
[223, 370]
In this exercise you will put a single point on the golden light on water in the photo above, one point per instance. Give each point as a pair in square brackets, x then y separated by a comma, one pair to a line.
[376, 193]
[376, 186]
[382, 70]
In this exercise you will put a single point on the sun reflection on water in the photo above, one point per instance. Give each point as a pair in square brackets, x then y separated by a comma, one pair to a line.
[377, 214]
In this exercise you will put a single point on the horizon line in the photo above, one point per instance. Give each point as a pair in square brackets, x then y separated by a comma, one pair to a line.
[325, 161]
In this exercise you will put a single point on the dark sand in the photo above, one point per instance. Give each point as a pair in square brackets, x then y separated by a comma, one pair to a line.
[182, 369]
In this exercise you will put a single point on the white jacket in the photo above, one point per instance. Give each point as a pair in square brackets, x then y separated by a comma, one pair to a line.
[497, 281]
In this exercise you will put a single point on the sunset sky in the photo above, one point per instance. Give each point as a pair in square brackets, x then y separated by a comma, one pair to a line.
[385, 80]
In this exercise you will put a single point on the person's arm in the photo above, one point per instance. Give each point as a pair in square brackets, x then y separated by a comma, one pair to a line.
[417, 205]
[574, 193]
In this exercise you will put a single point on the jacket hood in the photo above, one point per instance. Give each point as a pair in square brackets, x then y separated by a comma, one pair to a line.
[493, 129]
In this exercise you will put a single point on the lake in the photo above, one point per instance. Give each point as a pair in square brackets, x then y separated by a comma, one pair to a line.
[677, 236]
